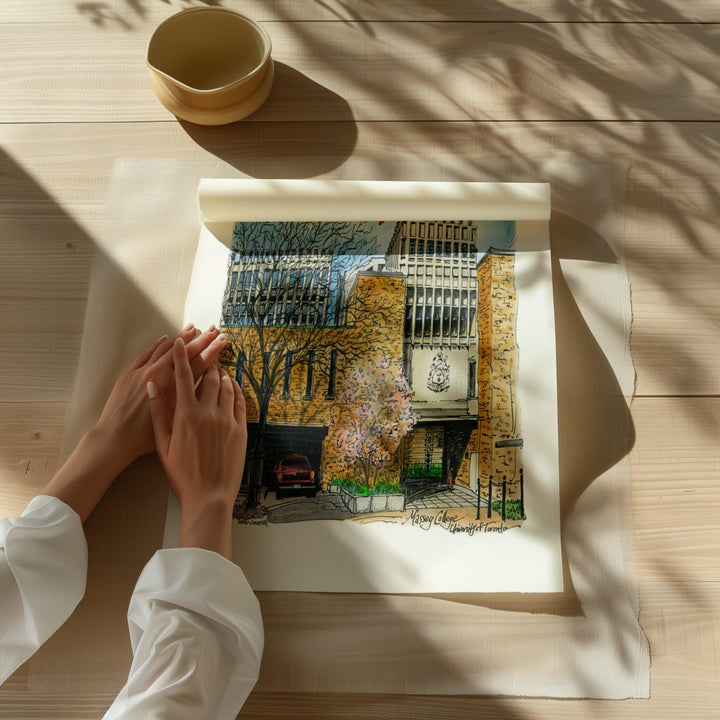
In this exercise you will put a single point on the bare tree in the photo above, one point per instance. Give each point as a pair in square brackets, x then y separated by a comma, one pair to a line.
[295, 298]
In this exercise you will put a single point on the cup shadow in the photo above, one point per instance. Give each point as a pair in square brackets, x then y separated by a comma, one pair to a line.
[289, 149]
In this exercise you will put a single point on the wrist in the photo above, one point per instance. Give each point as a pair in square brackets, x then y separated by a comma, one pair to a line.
[206, 522]
[110, 444]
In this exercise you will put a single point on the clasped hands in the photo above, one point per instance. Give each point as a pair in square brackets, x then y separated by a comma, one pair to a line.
[173, 399]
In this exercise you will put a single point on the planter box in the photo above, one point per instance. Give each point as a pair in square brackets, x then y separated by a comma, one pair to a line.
[394, 502]
[372, 503]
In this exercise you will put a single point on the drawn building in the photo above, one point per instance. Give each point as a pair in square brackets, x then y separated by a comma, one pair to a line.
[440, 349]
[293, 290]
[432, 303]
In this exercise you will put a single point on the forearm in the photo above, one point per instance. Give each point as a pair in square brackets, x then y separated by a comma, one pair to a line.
[88, 472]
[207, 524]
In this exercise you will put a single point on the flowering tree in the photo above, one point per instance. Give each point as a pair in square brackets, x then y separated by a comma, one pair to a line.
[372, 415]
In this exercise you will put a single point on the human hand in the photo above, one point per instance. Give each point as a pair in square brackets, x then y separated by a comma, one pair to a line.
[202, 447]
[125, 419]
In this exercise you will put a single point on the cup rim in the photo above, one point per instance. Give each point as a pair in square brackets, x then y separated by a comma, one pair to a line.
[210, 10]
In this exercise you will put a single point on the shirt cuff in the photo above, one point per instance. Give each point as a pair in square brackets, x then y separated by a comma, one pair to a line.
[43, 570]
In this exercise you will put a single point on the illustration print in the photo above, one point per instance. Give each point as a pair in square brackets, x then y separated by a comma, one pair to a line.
[378, 362]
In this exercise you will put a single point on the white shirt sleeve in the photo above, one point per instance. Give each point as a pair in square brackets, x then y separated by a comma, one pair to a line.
[197, 639]
[43, 568]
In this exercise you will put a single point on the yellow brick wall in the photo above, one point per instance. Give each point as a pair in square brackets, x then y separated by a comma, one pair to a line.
[497, 364]
[375, 328]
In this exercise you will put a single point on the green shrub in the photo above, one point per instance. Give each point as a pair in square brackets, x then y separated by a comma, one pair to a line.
[512, 510]
[420, 470]
[383, 486]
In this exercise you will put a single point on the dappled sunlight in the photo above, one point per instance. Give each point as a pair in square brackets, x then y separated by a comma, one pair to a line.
[544, 90]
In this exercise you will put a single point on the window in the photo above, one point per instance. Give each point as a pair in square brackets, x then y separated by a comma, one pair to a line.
[454, 329]
[431, 230]
[446, 321]
[240, 369]
[436, 328]
[310, 373]
[430, 247]
[233, 281]
[408, 318]
[418, 321]
[265, 371]
[331, 373]
[463, 321]
[472, 366]
[287, 374]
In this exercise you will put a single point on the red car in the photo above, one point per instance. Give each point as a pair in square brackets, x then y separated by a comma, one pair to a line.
[294, 472]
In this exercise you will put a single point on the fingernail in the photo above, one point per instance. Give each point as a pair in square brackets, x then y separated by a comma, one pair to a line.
[189, 326]
[179, 343]
[220, 338]
[212, 328]
[162, 338]
[151, 390]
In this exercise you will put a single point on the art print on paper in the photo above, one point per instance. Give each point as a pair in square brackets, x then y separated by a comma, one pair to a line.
[378, 361]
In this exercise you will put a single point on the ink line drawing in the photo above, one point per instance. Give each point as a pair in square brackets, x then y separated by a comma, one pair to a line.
[379, 361]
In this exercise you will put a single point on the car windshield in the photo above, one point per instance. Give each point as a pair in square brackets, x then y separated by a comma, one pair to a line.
[298, 461]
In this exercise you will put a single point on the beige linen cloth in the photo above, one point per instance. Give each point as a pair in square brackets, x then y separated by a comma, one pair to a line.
[585, 642]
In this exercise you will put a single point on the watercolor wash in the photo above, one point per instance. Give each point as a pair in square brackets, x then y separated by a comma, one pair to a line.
[378, 360]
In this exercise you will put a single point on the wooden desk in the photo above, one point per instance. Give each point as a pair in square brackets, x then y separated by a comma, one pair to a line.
[404, 90]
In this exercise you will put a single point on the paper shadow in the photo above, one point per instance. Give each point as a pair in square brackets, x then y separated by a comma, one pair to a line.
[292, 148]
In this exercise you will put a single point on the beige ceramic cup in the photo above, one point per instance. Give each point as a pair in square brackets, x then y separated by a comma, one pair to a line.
[210, 66]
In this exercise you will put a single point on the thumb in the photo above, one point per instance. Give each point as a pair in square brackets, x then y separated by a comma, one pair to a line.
[160, 416]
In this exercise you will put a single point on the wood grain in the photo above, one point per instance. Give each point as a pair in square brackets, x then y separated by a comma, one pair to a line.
[397, 89]
[440, 71]
[670, 241]
[684, 642]
[132, 14]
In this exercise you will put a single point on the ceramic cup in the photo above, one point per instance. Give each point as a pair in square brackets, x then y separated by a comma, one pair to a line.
[210, 65]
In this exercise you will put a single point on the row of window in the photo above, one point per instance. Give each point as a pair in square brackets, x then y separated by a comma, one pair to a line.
[442, 322]
[291, 315]
[282, 278]
[440, 296]
[437, 230]
[439, 271]
[241, 371]
[436, 248]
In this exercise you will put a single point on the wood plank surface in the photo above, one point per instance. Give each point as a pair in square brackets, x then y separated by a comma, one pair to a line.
[672, 201]
[132, 14]
[339, 71]
[681, 619]
[396, 89]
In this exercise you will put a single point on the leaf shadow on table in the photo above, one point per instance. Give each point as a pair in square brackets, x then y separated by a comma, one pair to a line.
[85, 663]
[297, 151]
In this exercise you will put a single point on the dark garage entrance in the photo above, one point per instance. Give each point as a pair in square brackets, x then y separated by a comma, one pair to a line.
[284, 440]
